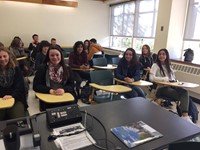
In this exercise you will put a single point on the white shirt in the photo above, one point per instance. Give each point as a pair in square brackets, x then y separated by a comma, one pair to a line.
[155, 74]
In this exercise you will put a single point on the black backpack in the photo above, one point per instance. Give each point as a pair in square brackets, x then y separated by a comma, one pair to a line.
[189, 55]
[85, 91]
[192, 111]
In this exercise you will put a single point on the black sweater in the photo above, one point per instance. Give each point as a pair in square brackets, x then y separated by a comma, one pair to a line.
[17, 89]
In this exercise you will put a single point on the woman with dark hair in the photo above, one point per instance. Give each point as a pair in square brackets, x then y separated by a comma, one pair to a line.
[78, 59]
[87, 45]
[40, 56]
[162, 71]
[146, 59]
[129, 70]
[11, 86]
[16, 47]
[54, 76]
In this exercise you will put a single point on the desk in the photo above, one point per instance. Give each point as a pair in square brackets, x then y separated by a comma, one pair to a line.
[117, 113]
[78, 69]
[50, 98]
[6, 103]
[136, 83]
[21, 58]
[178, 84]
[108, 67]
[109, 88]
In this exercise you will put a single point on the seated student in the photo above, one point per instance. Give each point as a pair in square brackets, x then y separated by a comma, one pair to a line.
[146, 59]
[40, 56]
[162, 71]
[78, 59]
[128, 70]
[11, 86]
[54, 76]
[16, 47]
[94, 49]
[53, 43]
[86, 45]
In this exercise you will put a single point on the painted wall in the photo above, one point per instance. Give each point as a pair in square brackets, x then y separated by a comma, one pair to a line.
[90, 19]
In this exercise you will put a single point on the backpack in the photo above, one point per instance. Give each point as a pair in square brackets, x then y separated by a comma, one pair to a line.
[85, 91]
[189, 55]
[192, 111]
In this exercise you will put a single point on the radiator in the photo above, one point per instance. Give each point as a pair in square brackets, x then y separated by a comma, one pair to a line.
[188, 73]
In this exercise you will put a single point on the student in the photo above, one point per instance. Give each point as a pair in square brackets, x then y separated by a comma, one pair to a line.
[129, 70]
[54, 76]
[87, 45]
[146, 59]
[34, 43]
[78, 59]
[54, 43]
[40, 56]
[94, 48]
[16, 47]
[11, 86]
[162, 71]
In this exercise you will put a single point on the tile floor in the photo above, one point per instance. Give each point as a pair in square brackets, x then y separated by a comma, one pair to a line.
[34, 104]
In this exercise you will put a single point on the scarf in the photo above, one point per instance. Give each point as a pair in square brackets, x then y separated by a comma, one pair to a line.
[56, 73]
[7, 78]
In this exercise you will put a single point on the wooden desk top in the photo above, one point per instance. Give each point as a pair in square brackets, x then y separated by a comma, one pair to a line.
[136, 83]
[21, 58]
[49, 98]
[111, 88]
[78, 69]
[108, 67]
[6, 103]
[178, 84]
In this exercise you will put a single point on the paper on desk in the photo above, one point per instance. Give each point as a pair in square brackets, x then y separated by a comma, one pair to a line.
[73, 142]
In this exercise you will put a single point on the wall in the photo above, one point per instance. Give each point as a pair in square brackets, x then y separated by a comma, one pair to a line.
[90, 19]
[171, 15]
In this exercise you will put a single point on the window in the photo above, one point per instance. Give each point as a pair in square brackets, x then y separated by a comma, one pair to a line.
[192, 30]
[133, 24]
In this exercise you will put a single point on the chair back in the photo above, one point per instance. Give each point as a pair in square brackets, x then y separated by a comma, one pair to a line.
[102, 77]
[184, 146]
[115, 60]
[101, 61]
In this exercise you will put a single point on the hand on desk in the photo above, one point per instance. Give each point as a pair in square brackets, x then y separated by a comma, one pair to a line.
[84, 67]
[7, 97]
[129, 80]
[57, 91]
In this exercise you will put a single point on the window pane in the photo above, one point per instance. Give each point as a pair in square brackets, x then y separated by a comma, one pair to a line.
[118, 10]
[121, 43]
[139, 42]
[129, 8]
[117, 25]
[128, 25]
[145, 28]
[146, 6]
[193, 21]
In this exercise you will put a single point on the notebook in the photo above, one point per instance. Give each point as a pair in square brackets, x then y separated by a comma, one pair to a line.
[135, 134]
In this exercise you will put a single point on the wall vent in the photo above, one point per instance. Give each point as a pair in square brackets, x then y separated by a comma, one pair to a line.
[188, 73]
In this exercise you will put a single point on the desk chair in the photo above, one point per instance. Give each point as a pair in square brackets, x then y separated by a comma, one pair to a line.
[115, 60]
[184, 146]
[101, 61]
[103, 77]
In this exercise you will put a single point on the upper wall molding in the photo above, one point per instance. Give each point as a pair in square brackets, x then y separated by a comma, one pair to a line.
[50, 2]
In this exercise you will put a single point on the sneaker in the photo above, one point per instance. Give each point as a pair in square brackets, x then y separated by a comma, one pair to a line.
[187, 118]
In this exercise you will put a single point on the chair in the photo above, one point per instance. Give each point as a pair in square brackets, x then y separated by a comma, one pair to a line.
[115, 60]
[105, 78]
[184, 146]
[101, 61]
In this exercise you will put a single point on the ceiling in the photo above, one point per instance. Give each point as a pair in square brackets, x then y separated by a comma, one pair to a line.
[112, 1]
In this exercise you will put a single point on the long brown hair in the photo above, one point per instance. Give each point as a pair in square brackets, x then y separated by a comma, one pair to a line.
[12, 61]
[66, 70]
[167, 62]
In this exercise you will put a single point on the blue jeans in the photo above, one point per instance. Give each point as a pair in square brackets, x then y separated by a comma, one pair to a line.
[136, 92]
